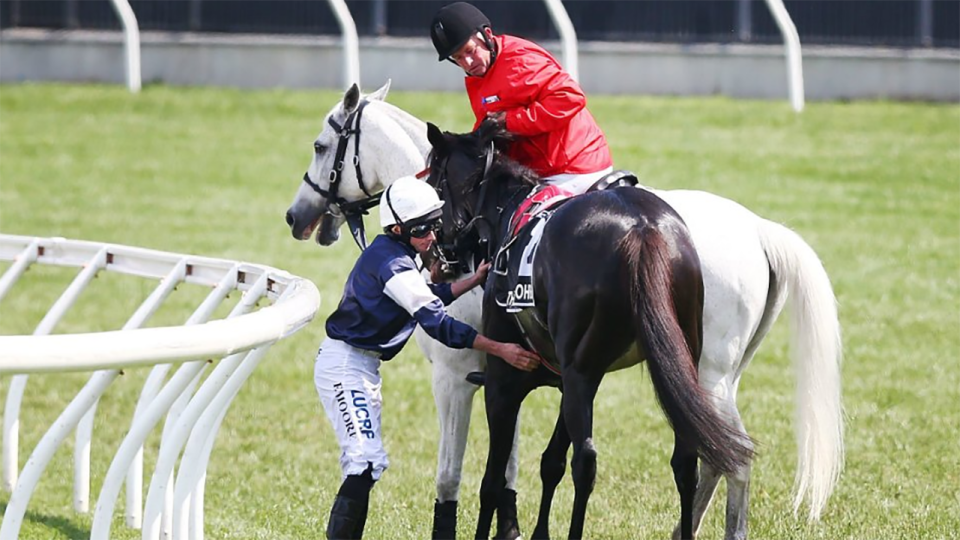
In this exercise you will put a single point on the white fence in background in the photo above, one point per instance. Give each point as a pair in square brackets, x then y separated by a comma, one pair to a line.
[558, 14]
[174, 506]
[131, 43]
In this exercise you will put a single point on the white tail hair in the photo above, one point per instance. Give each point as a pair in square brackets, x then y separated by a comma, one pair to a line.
[816, 351]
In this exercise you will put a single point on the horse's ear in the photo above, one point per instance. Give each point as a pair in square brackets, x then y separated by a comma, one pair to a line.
[436, 138]
[351, 98]
[381, 93]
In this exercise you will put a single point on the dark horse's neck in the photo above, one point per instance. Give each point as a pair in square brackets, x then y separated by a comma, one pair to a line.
[510, 183]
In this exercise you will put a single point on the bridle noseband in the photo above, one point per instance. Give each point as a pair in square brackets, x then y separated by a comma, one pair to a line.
[352, 210]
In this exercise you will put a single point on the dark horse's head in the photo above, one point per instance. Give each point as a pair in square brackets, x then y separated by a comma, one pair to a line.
[481, 187]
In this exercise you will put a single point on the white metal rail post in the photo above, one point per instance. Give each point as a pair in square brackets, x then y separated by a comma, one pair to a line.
[351, 45]
[568, 37]
[241, 340]
[131, 43]
[791, 41]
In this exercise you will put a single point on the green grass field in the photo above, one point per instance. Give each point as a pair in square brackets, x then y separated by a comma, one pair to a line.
[874, 187]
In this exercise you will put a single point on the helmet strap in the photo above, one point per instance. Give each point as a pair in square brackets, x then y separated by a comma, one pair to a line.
[404, 236]
[396, 217]
[490, 45]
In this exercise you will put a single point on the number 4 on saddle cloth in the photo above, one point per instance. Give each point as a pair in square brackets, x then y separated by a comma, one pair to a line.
[513, 264]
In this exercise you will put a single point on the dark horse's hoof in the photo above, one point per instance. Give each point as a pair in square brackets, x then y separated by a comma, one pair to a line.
[445, 520]
[477, 378]
[508, 527]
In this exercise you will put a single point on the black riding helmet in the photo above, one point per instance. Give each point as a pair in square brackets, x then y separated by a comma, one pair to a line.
[454, 25]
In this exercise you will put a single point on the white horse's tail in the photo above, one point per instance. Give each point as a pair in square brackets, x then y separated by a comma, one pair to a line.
[816, 351]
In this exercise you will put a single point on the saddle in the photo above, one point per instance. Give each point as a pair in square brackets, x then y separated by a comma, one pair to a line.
[542, 198]
[615, 179]
[513, 264]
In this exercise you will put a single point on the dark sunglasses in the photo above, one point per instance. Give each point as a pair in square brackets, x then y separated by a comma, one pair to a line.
[422, 230]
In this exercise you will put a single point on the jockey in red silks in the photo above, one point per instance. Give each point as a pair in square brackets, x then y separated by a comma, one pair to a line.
[520, 85]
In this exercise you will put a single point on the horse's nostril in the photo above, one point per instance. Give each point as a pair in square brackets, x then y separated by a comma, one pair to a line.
[290, 219]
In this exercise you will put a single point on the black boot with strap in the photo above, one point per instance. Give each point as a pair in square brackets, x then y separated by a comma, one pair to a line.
[349, 513]
[445, 520]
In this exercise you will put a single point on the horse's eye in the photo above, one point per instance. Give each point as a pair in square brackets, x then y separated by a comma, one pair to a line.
[318, 148]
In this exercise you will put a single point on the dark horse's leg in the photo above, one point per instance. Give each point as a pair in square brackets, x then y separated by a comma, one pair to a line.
[503, 406]
[684, 461]
[707, 483]
[578, 393]
[505, 389]
[553, 463]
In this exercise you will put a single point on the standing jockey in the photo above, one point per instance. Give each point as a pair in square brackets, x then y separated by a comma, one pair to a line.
[384, 299]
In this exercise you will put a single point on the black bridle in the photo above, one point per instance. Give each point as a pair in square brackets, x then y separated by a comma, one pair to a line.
[483, 226]
[352, 210]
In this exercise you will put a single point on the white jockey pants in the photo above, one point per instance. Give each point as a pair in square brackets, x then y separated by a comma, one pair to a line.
[577, 183]
[348, 382]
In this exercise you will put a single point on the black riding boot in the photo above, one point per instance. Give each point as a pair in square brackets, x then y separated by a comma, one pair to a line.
[362, 522]
[445, 520]
[349, 513]
[345, 515]
[508, 527]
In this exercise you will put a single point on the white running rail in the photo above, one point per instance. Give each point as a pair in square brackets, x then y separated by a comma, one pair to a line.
[131, 43]
[568, 36]
[351, 44]
[241, 340]
[791, 41]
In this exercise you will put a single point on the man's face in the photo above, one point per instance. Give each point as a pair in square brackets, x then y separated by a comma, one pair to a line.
[422, 245]
[474, 57]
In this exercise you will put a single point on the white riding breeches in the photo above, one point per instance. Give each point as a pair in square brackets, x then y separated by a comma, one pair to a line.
[577, 183]
[348, 382]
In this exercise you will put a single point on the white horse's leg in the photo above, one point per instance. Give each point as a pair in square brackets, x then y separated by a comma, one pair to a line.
[452, 393]
[740, 306]
[738, 484]
[736, 278]
[454, 398]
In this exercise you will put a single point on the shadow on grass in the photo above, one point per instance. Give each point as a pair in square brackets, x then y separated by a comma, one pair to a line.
[62, 524]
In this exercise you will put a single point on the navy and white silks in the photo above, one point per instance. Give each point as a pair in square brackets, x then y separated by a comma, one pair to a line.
[384, 299]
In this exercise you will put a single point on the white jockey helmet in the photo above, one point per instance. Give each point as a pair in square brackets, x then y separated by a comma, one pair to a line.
[408, 201]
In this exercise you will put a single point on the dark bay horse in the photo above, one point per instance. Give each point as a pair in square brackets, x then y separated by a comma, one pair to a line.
[616, 280]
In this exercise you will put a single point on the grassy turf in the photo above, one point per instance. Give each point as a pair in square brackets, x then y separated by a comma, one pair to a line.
[874, 187]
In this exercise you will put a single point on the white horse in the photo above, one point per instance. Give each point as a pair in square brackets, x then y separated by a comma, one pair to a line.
[750, 267]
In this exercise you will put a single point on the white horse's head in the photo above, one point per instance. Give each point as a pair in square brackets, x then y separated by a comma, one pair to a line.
[365, 126]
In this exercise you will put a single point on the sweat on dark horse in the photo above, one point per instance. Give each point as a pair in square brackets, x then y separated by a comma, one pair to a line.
[616, 281]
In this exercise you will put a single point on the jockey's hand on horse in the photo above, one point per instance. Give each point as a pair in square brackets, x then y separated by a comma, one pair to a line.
[499, 117]
[518, 357]
[480, 276]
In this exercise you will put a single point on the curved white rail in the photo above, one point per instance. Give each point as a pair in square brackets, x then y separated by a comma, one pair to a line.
[791, 41]
[351, 44]
[243, 338]
[131, 43]
[568, 36]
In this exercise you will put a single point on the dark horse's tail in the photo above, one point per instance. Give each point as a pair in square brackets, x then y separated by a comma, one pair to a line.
[670, 356]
